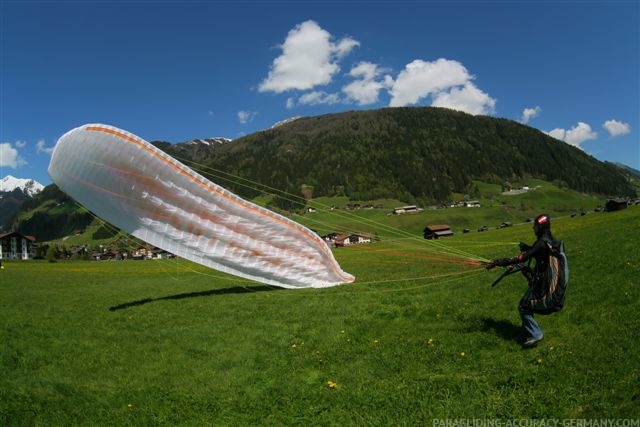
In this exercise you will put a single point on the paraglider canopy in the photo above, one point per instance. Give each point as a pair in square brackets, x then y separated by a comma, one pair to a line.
[145, 192]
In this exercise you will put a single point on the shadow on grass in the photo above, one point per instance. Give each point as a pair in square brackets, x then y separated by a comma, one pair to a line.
[501, 328]
[226, 291]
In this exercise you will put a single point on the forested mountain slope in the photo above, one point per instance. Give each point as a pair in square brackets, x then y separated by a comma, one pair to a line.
[418, 154]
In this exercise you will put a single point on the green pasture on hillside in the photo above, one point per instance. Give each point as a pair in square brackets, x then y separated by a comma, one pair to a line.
[415, 338]
[331, 214]
[496, 208]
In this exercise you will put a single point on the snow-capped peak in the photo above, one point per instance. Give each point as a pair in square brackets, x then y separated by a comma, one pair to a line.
[218, 140]
[285, 121]
[29, 187]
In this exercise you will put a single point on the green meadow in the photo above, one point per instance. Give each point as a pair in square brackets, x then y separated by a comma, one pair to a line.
[420, 336]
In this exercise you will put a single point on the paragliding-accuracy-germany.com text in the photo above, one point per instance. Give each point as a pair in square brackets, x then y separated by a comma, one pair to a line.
[525, 422]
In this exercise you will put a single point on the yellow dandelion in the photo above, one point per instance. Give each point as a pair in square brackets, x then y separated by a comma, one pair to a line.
[430, 341]
[375, 341]
[539, 360]
[331, 384]
[130, 405]
[293, 346]
[462, 354]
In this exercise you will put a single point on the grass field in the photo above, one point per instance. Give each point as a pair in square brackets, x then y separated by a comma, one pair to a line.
[171, 343]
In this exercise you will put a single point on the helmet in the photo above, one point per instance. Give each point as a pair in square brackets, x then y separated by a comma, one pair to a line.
[542, 224]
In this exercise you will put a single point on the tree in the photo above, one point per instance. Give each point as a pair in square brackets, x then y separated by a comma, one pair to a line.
[52, 254]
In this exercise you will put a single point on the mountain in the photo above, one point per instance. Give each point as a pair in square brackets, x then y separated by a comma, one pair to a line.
[628, 169]
[51, 214]
[285, 121]
[13, 193]
[29, 187]
[194, 150]
[632, 175]
[415, 154]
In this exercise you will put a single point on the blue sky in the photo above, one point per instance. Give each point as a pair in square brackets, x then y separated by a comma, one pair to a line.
[176, 71]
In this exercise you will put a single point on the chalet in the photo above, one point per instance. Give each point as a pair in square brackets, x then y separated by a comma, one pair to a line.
[358, 238]
[615, 204]
[433, 232]
[17, 246]
[150, 252]
[405, 209]
[347, 239]
[341, 240]
[143, 252]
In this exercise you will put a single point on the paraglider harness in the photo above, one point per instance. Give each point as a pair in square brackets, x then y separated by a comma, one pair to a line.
[525, 269]
[547, 289]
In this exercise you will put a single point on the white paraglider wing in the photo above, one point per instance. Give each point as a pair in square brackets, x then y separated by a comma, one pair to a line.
[140, 189]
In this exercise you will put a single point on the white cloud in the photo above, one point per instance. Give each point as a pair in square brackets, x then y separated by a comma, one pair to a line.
[345, 46]
[365, 70]
[557, 133]
[580, 133]
[420, 79]
[467, 98]
[40, 146]
[616, 128]
[530, 113]
[315, 98]
[365, 90]
[576, 136]
[21, 144]
[246, 116]
[308, 59]
[9, 156]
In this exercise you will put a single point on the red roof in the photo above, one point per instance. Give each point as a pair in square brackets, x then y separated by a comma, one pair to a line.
[441, 227]
[15, 233]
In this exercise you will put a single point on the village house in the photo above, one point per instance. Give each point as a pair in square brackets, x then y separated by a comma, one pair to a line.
[339, 240]
[17, 246]
[149, 252]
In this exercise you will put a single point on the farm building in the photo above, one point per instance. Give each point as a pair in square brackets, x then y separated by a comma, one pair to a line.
[437, 231]
[347, 239]
[17, 246]
[405, 209]
[616, 205]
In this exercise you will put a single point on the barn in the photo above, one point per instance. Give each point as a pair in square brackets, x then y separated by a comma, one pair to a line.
[616, 204]
[437, 231]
